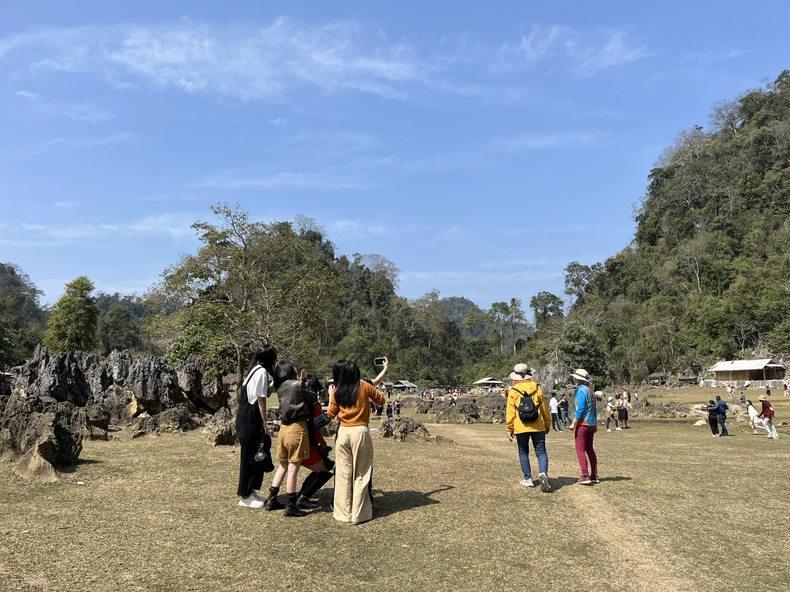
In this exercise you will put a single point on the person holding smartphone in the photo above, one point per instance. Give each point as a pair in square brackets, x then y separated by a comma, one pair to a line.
[349, 400]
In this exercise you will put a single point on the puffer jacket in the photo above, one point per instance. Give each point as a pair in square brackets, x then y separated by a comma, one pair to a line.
[514, 423]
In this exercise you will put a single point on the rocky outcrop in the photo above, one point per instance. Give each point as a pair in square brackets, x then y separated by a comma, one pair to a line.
[206, 392]
[405, 429]
[40, 433]
[178, 419]
[69, 376]
[221, 429]
[151, 380]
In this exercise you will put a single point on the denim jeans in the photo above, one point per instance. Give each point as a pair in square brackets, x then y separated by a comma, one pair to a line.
[539, 443]
[723, 425]
[565, 420]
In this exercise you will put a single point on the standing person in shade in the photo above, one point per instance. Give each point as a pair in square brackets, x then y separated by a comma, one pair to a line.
[251, 426]
[585, 424]
[754, 418]
[554, 407]
[768, 417]
[564, 407]
[721, 408]
[528, 420]
[611, 414]
[293, 441]
[350, 401]
[389, 411]
[713, 418]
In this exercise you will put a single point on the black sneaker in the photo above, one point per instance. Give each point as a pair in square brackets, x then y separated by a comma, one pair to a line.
[545, 486]
[595, 479]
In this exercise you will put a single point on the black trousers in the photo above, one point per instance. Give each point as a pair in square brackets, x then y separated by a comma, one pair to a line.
[250, 472]
[723, 426]
[556, 425]
[713, 422]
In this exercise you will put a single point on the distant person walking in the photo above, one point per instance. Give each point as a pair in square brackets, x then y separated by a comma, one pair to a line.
[721, 408]
[713, 418]
[768, 417]
[350, 400]
[251, 427]
[585, 422]
[611, 414]
[754, 418]
[528, 418]
[554, 407]
[786, 391]
[622, 411]
[564, 409]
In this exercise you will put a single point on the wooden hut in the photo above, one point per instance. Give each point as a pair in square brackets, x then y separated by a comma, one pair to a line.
[748, 371]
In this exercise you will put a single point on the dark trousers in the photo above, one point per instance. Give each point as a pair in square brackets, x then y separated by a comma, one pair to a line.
[584, 449]
[565, 420]
[713, 422]
[723, 425]
[556, 425]
[250, 472]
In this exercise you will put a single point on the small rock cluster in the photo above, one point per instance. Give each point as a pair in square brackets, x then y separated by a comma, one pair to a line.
[405, 429]
[485, 409]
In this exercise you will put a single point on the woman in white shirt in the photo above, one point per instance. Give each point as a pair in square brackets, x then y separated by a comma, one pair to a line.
[251, 425]
[754, 419]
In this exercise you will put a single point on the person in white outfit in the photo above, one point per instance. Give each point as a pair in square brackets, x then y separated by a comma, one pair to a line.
[754, 419]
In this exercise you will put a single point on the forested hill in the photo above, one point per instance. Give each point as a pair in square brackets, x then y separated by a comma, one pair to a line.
[708, 274]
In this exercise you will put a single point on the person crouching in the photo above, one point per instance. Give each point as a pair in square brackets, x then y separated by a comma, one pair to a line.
[293, 443]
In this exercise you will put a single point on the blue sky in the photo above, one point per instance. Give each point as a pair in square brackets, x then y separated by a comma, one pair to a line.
[479, 146]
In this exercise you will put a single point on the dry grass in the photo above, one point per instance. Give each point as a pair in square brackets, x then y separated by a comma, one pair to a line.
[677, 510]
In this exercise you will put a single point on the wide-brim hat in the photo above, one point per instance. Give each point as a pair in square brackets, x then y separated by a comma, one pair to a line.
[610, 399]
[762, 398]
[521, 372]
[582, 375]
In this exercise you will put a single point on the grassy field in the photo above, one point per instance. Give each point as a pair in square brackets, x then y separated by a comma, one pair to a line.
[676, 510]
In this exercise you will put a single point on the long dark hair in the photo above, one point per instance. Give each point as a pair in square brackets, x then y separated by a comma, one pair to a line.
[314, 384]
[266, 357]
[284, 371]
[346, 375]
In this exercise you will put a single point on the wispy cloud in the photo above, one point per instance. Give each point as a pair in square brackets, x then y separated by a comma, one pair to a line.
[64, 205]
[78, 112]
[277, 121]
[85, 142]
[271, 62]
[586, 52]
[335, 143]
[26, 94]
[526, 142]
[230, 180]
[711, 56]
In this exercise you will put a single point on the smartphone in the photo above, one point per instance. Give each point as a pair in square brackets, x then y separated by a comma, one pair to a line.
[379, 361]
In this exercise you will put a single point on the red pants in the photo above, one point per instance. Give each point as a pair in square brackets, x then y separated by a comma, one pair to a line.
[584, 448]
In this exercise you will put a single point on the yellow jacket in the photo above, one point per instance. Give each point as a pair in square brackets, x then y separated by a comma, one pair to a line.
[514, 423]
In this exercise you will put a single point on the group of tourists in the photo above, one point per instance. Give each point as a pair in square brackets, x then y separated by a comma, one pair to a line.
[529, 418]
[300, 442]
[617, 411]
[758, 420]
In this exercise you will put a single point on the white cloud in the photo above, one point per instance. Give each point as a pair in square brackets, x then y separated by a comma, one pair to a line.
[78, 112]
[711, 56]
[271, 62]
[26, 94]
[229, 180]
[86, 142]
[525, 142]
[586, 52]
[174, 225]
[277, 121]
[64, 205]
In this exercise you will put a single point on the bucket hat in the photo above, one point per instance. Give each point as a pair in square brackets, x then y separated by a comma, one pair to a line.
[521, 372]
[582, 375]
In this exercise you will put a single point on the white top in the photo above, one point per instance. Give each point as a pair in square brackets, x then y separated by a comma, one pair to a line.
[753, 413]
[257, 385]
[553, 405]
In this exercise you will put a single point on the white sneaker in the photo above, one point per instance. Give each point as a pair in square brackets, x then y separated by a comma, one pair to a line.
[619, 429]
[527, 483]
[259, 497]
[251, 502]
[608, 430]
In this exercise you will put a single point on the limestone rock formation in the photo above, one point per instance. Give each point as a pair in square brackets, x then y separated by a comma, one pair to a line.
[221, 428]
[204, 391]
[152, 381]
[178, 419]
[405, 429]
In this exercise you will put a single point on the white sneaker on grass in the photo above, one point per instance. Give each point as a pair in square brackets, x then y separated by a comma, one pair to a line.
[619, 429]
[527, 483]
[545, 487]
[608, 430]
[251, 502]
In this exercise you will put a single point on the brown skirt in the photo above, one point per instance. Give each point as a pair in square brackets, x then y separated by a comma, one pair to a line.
[293, 443]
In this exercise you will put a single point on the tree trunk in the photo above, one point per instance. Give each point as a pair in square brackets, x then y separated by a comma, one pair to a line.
[239, 370]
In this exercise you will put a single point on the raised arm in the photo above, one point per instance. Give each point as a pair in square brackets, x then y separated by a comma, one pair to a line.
[383, 373]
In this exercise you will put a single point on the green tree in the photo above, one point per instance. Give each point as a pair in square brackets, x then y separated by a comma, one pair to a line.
[74, 320]
[22, 320]
[119, 330]
[545, 305]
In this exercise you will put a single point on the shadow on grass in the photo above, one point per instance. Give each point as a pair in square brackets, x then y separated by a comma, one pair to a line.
[82, 461]
[386, 503]
[558, 483]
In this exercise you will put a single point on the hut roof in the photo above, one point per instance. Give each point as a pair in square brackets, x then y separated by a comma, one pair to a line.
[656, 376]
[404, 384]
[489, 380]
[744, 365]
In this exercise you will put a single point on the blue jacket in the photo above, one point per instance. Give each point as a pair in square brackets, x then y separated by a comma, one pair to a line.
[721, 407]
[586, 413]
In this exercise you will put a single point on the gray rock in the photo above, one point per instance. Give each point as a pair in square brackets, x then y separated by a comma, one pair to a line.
[178, 419]
[221, 429]
[202, 389]
[151, 380]
[5, 384]
[69, 376]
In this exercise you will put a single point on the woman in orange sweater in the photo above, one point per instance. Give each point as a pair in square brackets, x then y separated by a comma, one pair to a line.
[349, 400]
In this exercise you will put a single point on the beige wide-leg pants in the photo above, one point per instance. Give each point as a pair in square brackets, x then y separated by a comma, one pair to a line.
[353, 469]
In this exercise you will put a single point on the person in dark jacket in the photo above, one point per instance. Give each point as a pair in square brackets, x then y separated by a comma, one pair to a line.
[293, 441]
[722, 408]
[713, 418]
[251, 426]
[318, 462]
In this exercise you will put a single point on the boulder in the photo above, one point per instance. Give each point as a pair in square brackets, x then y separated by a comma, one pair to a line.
[41, 433]
[153, 383]
[178, 419]
[121, 404]
[221, 428]
[405, 429]
[203, 390]
[69, 376]
[464, 412]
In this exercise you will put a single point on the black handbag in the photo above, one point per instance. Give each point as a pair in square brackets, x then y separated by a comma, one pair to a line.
[264, 454]
[321, 421]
